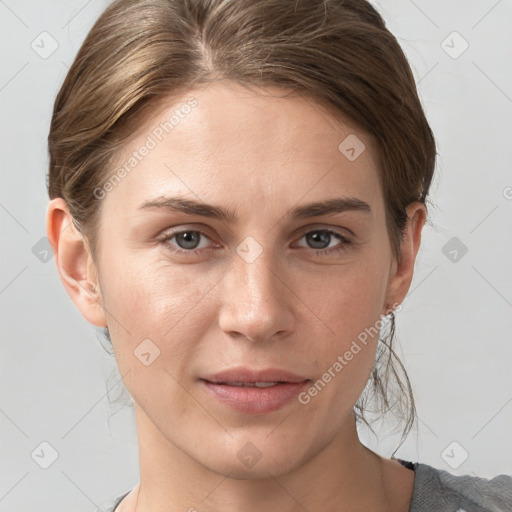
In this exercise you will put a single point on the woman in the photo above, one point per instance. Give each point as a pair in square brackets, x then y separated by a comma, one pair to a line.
[238, 190]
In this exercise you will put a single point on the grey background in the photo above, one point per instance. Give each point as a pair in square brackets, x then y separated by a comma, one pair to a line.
[455, 328]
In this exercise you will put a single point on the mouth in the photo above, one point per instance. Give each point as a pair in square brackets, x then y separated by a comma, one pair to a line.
[254, 392]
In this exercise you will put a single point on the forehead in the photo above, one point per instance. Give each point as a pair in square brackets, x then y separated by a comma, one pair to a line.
[229, 140]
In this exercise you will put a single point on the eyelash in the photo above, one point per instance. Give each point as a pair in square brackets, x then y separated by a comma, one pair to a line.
[320, 252]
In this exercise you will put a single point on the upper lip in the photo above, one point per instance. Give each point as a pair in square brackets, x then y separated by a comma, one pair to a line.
[248, 375]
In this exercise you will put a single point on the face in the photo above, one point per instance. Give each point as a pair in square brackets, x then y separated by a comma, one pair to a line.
[273, 284]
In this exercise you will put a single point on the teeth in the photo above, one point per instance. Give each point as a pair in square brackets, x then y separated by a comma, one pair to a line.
[252, 384]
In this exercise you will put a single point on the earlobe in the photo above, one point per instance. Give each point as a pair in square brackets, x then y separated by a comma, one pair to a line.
[74, 262]
[402, 271]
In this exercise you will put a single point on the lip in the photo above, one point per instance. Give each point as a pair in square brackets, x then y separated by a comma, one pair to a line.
[254, 400]
[241, 374]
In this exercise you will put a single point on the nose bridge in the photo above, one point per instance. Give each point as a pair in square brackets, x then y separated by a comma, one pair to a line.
[257, 278]
[255, 302]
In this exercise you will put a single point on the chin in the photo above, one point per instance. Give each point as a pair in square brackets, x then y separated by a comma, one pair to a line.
[247, 462]
[260, 471]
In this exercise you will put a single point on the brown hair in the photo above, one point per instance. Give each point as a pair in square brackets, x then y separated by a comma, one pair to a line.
[336, 52]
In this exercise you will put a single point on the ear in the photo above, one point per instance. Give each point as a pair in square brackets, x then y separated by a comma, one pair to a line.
[74, 262]
[402, 271]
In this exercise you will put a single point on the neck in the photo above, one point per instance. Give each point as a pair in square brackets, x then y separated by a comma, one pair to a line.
[343, 476]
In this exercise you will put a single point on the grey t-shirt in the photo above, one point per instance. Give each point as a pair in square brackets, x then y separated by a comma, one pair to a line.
[436, 490]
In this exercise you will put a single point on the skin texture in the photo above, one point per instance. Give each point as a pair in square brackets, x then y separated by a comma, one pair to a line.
[259, 155]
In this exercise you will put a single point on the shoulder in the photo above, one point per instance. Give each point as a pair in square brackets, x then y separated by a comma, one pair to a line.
[113, 503]
[464, 493]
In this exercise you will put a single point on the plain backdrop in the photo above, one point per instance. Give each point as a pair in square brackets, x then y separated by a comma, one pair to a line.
[65, 447]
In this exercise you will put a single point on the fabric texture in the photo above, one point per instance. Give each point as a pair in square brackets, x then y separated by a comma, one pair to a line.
[436, 490]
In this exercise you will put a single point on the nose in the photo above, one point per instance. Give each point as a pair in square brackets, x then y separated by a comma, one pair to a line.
[256, 300]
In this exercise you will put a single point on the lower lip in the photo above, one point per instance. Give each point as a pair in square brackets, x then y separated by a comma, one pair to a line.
[255, 400]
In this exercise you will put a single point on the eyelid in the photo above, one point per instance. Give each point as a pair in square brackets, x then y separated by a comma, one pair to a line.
[300, 231]
[184, 228]
[339, 230]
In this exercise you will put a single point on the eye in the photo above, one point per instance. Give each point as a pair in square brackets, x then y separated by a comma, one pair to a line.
[187, 241]
[321, 240]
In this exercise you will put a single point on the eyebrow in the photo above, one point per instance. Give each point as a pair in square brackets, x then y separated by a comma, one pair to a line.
[314, 209]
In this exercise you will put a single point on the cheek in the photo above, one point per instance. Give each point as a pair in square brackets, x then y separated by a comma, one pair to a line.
[157, 317]
[350, 301]
[158, 302]
[349, 305]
